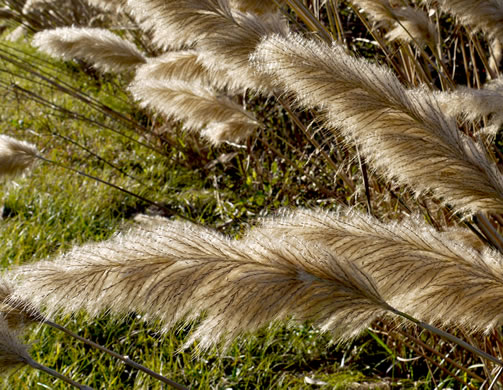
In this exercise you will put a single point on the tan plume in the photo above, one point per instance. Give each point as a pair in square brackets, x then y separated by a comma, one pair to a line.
[175, 271]
[15, 156]
[184, 65]
[470, 104]
[415, 268]
[17, 313]
[480, 15]
[103, 49]
[403, 22]
[403, 133]
[197, 106]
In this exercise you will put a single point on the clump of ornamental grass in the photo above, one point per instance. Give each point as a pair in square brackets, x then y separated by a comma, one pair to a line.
[402, 133]
[339, 270]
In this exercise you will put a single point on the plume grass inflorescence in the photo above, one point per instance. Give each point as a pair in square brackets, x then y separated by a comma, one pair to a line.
[415, 268]
[174, 271]
[15, 155]
[103, 49]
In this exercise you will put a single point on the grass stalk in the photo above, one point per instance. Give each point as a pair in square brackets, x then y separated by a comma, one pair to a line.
[56, 374]
[122, 358]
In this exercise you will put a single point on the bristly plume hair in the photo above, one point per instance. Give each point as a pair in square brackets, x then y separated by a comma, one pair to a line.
[15, 156]
[174, 271]
[415, 268]
[109, 5]
[198, 107]
[402, 133]
[103, 49]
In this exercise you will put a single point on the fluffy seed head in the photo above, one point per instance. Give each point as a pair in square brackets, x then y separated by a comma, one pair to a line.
[171, 271]
[100, 47]
[415, 268]
[198, 107]
[15, 156]
[13, 353]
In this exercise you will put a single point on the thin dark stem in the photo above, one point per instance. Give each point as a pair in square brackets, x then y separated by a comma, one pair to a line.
[56, 374]
[125, 359]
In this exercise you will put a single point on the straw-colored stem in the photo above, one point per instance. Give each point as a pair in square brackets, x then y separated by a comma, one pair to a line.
[125, 359]
[495, 379]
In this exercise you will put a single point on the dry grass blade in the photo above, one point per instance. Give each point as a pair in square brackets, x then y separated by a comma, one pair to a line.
[197, 106]
[174, 271]
[402, 133]
[15, 156]
[101, 48]
[415, 268]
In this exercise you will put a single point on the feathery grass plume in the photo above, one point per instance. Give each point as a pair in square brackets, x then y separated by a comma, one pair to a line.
[197, 106]
[470, 104]
[224, 38]
[415, 268]
[480, 15]
[15, 156]
[402, 133]
[175, 271]
[186, 66]
[13, 353]
[102, 48]
[255, 6]
[405, 23]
